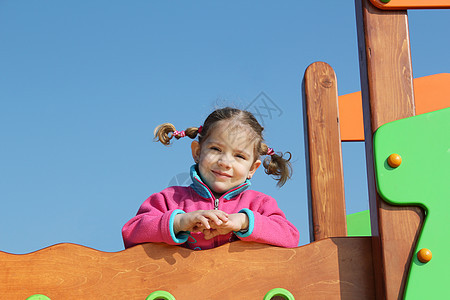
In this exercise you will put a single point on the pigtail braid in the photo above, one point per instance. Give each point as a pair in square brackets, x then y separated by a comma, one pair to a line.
[276, 165]
[192, 132]
[165, 132]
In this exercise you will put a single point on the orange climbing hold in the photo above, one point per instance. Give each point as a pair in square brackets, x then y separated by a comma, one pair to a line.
[424, 255]
[394, 160]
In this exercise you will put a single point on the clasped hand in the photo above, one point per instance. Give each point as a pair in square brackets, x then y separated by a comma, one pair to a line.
[210, 222]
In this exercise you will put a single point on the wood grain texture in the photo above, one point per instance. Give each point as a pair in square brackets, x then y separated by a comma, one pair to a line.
[338, 268]
[387, 95]
[326, 175]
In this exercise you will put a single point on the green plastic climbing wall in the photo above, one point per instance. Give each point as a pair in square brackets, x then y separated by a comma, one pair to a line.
[420, 175]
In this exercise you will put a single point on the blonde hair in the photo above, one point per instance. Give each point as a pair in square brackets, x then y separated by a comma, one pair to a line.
[275, 164]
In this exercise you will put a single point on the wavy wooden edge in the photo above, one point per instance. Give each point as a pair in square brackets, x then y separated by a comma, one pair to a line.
[337, 267]
[60, 245]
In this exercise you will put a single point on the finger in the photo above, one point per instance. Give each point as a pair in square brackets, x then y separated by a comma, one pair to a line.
[213, 218]
[197, 227]
[218, 216]
[212, 233]
[204, 221]
[207, 234]
[222, 215]
[212, 224]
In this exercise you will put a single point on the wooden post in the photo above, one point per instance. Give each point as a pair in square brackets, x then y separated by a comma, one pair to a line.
[387, 92]
[326, 176]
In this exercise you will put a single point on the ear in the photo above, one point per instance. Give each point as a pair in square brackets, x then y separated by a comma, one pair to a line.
[195, 147]
[253, 169]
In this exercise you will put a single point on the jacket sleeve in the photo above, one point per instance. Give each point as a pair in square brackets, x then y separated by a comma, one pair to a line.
[153, 223]
[268, 225]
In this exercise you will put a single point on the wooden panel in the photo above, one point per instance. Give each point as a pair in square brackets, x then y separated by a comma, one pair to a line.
[338, 268]
[411, 4]
[386, 81]
[324, 147]
[430, 93]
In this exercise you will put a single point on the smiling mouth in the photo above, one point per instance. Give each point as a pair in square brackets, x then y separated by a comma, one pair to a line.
[220, 174]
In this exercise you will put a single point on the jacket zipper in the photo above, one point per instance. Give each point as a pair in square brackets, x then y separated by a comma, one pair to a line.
[216, 204]
[216, 207]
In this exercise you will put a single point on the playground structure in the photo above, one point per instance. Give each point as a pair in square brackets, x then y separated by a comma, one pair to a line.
[334, 265]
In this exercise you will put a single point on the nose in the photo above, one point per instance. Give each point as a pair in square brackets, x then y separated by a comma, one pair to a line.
[224, 161]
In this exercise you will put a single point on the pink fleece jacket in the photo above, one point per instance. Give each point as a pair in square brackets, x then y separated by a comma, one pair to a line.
[154, 220]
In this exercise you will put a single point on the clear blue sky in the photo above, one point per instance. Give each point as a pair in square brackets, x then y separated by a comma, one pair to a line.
[84, 83]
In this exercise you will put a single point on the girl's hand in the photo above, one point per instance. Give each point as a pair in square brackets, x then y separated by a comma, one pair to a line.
[199, 220]
[236, 222]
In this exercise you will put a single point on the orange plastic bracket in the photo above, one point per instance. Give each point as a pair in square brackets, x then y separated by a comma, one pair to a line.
[410, 4]
[430, 92]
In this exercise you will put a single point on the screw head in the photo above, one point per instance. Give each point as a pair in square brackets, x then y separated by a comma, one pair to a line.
[394, 160]
[424, 255]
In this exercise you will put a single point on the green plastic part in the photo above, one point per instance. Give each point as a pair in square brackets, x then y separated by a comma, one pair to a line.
[385, 1]
[279, 292]
[358, 224]
[423, 178]
[38, 297]
[160, 295]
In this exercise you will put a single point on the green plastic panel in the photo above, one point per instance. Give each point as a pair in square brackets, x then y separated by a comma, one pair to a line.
[358, 224]
[160, 295]
[279, 292]
[423, 178]
[38, 297]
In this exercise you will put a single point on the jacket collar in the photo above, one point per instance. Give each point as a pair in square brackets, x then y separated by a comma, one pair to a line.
[203, 190]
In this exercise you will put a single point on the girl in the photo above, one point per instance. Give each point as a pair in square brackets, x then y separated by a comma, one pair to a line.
[217, 208]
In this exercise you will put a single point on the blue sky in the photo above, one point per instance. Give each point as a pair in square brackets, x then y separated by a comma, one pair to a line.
[84, 83]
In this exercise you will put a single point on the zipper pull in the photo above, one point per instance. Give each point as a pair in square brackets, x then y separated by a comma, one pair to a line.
[216, 204]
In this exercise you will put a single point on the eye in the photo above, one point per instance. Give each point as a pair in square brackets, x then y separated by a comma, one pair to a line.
[214, 148]
[241, 156]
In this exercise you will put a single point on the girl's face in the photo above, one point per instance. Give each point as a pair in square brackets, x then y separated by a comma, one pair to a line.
[226, 158]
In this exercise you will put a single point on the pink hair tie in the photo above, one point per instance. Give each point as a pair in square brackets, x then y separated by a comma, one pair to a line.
[181, 133]
[270, 151]
[200, 129]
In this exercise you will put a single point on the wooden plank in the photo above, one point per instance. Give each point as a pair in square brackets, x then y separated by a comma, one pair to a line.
[324, 147]
[387, 94]
[337, 268]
